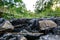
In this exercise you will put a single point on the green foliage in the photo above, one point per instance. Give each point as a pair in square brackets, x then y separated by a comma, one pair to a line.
[41, 5]
[16, 9]
[12, 8]
[44, 10]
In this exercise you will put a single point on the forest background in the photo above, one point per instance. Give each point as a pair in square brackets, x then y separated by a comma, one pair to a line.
[10, 9]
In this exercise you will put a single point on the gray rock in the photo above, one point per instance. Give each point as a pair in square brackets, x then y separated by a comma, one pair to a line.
[10, 36]
[7, 25]
[50, 37]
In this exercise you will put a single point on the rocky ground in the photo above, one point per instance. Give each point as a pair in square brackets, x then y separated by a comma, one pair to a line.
[30, 29]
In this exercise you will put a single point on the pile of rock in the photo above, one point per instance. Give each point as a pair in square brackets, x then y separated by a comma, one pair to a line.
[29, 29]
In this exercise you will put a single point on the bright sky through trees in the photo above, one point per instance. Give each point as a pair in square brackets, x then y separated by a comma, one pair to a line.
[29, 4]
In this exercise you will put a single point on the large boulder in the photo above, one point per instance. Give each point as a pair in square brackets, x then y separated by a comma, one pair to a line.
[46, 24]
[5, 24]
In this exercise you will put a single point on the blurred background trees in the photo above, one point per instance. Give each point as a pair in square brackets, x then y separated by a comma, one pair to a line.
[49, 8]
[16, 9]
[12, 8]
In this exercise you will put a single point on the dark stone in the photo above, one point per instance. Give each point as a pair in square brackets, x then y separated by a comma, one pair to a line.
[33, 25]
[28, 24]
[56, 30]
[57, 20]
[19, 21]
[2, 20]
[10, 36]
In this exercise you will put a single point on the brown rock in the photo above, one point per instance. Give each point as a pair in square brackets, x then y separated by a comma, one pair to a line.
[46, 24]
